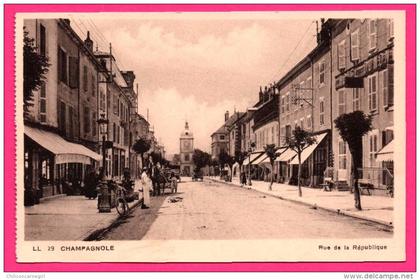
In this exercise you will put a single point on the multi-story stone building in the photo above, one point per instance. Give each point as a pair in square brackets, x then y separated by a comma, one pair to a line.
[305, 101]
[62, 138]
[55, 161]
[220, 139]
[363, 70]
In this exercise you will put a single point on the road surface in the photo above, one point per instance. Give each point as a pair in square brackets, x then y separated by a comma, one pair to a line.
[209, 210]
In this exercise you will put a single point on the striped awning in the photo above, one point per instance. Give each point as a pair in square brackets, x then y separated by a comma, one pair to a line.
[254, 156]
[63, 150]
[386, 153]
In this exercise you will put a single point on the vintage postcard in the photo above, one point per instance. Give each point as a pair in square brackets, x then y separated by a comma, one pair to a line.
[216, 137]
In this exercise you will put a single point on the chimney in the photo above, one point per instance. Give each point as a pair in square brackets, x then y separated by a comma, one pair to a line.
[226, 116]
[261, 93]
[89, 42]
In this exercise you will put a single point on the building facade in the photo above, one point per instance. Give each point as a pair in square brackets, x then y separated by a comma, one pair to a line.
[363, 71]
[62, 137]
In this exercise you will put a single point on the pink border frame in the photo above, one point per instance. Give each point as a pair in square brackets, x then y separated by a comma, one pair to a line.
[10, 264]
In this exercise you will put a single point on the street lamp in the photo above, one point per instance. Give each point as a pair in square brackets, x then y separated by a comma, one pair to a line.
[250, 150]
[103, 130]
[104, 197]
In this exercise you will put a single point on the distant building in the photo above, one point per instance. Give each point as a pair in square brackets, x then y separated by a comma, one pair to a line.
[228, 137]
[186, 149]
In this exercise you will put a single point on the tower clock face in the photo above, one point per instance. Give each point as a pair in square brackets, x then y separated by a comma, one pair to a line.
[187, 145]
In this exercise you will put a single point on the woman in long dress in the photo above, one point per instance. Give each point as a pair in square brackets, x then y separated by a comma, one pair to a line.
[146, 185]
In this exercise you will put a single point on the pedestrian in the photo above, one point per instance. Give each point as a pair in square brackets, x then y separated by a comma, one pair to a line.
[146, 186]
[243, 179]
[90, 184]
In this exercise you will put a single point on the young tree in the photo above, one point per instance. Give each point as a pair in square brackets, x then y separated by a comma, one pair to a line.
[225, 158]
[270, 151]
[141, 146]
[298, 142]
[200, 159]
[35, 67]
[352, 127]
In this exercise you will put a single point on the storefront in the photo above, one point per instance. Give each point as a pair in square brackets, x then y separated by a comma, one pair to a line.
[53, 165]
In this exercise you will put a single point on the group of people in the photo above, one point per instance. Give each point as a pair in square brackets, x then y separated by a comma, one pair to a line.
[151, 180]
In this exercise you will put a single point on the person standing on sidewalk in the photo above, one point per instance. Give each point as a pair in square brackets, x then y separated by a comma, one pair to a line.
[146, 186]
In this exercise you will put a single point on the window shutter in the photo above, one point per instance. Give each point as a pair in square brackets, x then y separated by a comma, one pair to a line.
[355, 45]
[73, 65]
[390, 84]
[59, 65]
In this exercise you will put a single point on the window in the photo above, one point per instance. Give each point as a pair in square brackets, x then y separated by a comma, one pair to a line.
[341, 102]
[321, 73]
[85, 78]
[301, 94]
[341, 55]
[43, 103]
[373, 144]
[287, 102]
[355, 52]
[342, 155]
[93, 85]
[94, 123]
[302, 123]
[118, 134]
[391, 28]
[114, 132]
[62, 120]
[42, 39]
[282, 104]
[62, 65]
[71, 122]
[372, 92]
[73, 72]
[372, 34]
[356, 99]
[309, 121]
[86, 119]
[309, 84]
[384, 87]
[321, 111]
[187, 157]
[102, 100]
[222, 137]
[115, 104]
[288, 131]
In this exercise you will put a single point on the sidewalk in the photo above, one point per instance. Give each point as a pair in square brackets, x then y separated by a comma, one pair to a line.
[67, 218]
[377, 209]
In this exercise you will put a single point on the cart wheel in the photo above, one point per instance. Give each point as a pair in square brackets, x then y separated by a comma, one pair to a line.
[122, 206]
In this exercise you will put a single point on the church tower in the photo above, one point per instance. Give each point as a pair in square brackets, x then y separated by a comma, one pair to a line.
[186, 149]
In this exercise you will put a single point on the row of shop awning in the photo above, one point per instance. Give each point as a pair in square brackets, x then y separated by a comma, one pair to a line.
[286, 154]
[63, 150]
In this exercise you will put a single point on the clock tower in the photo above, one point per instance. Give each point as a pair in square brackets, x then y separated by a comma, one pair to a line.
[186, 149]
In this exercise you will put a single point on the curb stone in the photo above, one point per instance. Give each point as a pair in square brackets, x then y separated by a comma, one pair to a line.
[314, 205]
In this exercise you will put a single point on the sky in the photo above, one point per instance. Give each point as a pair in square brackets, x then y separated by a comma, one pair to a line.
[194, 67]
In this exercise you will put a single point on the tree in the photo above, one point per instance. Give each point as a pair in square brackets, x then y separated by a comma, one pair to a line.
[298, 142]
[352, 127]
[200, 159]
[270, 151]
[156, 157]
[225, 158]
[35, 67]
[141, 146]
[239, 158]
